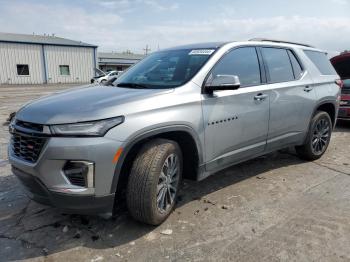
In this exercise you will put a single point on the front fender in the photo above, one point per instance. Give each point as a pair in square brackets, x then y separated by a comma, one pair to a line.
[148, 133]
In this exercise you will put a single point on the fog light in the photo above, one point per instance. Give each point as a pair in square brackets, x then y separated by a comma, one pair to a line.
[80, 173]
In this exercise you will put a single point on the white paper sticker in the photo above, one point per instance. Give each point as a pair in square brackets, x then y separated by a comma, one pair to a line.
[202, 52]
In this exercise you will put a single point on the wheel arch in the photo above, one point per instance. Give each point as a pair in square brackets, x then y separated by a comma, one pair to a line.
[185, 136]
[328, 107]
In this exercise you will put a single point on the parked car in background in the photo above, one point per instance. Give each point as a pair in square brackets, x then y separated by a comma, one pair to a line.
[102, 79]
[183, 112]
[110, 81]
[341, 64]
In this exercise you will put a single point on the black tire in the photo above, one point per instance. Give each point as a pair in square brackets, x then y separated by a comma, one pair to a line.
[307, 151]
[145, 179]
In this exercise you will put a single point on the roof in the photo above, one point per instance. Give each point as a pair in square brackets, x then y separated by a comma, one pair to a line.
[210, 45]
[216, 45]
[278, 41]
[41, 39]
[120, 56]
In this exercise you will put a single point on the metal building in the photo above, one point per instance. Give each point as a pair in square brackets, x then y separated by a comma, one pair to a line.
[37, 59]
[117, 61]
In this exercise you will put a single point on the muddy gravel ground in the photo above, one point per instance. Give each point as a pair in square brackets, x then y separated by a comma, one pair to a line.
[274, 208]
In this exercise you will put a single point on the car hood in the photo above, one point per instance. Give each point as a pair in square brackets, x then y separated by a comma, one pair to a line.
[84, 104]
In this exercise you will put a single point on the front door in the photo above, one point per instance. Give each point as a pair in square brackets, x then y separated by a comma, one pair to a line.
[236, 121]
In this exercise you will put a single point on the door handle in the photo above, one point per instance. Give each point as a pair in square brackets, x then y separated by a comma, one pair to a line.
[260, 97]
[308, 88]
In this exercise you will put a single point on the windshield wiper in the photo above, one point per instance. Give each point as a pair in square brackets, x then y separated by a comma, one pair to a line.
[132, 85]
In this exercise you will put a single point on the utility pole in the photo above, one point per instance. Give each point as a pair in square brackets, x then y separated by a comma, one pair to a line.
[147, 49]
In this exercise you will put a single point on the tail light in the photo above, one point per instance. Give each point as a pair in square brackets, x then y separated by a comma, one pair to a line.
[340, 83]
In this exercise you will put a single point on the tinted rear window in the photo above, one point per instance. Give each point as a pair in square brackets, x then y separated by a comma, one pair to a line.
[321, 61]
[278, 65]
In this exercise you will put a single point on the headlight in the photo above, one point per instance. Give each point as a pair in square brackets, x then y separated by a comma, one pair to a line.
[91, 128]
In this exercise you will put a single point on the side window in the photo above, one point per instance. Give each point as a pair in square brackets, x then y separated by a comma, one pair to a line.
[242, 62]
[22, 70]
[297, 69]
[278, 64]
[64, 70]
[321, 61]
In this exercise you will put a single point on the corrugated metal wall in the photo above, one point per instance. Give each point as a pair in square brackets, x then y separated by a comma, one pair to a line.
[13, 54]
[79, 59]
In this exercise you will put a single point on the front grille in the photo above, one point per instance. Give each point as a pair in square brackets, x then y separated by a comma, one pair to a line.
[26, 142]
[31, 126]
[27, 148]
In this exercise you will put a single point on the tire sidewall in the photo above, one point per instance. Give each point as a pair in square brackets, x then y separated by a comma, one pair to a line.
[158, 215]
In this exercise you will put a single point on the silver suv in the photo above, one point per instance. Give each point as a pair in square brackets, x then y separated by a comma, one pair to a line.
[184, 112]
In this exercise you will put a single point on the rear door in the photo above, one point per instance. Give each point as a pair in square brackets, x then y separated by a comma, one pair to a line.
[236, 121]
[292, 99]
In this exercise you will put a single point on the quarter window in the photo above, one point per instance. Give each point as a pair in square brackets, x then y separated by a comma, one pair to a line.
[321, 62]
[279, 66]
[23, 70]
[242, 62]
[64, 70]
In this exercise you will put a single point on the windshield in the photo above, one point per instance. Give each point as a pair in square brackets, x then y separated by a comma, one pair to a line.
[165, 69]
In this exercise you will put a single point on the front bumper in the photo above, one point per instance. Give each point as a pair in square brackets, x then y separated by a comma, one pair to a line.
[70, 203]
[45, 181]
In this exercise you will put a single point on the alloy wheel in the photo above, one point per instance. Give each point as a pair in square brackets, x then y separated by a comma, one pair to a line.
[168, 183]
[320, 136]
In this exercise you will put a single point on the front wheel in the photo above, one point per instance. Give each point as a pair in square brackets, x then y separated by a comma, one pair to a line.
[318, 137]
[154, 181]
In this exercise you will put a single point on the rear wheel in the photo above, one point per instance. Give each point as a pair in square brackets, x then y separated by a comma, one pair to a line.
[154, 181]
[318, 137]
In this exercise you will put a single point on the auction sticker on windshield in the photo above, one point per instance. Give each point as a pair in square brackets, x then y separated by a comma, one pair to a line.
[202, 52]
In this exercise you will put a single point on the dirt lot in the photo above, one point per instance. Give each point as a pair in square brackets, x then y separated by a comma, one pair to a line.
[274, 208]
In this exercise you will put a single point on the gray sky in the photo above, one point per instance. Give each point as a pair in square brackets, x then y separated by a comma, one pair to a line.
[118, 25]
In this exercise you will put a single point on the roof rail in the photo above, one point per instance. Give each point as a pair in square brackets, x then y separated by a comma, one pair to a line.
[278, 41]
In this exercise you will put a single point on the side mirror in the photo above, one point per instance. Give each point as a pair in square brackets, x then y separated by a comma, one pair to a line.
[222, 82]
